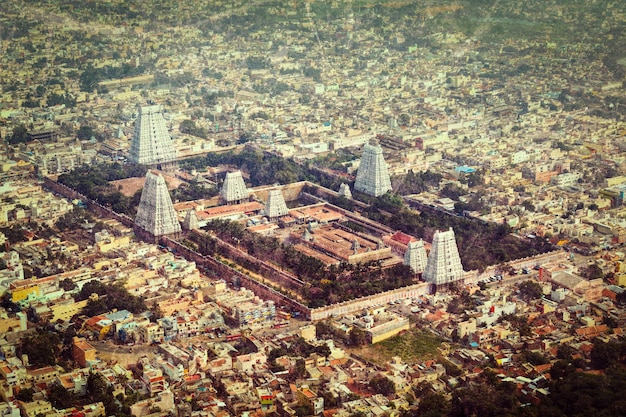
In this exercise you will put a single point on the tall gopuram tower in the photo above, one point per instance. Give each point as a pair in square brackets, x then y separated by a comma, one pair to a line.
[156, 216]
[275, 206]
[415, 256]
[372, 177]
[234, 190]
[444, 263]
[151, 144]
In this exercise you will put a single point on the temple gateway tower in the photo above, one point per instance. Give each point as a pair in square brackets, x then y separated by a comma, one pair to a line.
[372, 177]
[151, 144]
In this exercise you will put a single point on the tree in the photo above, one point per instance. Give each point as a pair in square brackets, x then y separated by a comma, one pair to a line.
[41, 347]
[561, 369]
[85, 132]
[357, 337]
[530, 290]
[25, 394]
[604, 355]
[380, 384]
[60, 397]
[97, 387]
[299, 370]
[19, 135]
[433, 405]
[67, 284]
[592, 271]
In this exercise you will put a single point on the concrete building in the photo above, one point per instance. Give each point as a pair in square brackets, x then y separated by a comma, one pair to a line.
[444, 264]
[372, 177]
[234, 190]
[415, 256]
[156, 215]
[151, 145]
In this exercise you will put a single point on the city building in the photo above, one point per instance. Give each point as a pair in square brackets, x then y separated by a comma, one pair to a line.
[372, 177]
[156, 215]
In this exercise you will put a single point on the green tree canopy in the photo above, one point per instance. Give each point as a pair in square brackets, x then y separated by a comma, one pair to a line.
[380, 384]
[41, 347]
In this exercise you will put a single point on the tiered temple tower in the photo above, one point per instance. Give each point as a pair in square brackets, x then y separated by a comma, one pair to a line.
[275, 206]
[444, 264]
[372, 177]
[344, 191]
[151, 144]
[234, 190]
[415, 256]
[156, 216]
[191, 220]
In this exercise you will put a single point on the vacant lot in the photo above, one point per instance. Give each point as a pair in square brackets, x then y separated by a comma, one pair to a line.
[414, 346]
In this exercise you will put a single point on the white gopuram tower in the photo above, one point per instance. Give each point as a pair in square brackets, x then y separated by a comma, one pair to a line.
[415, 256]
[444, 263]
[372, 177]
[275, 206]
[156, 216]
[234, 190]
[344, 191]
[191, 220]
[151, 144]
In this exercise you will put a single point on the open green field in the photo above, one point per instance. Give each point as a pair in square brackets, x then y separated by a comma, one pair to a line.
[414, 346]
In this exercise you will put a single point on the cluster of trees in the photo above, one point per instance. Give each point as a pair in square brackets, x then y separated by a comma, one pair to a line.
[266, 168]
[480, 244]
[257, 62]
[19, 135]
[110, 296]
[192, 191]
[189, 127]
[323, 285]
[299, 347]
[42, 347]
[415, 183]
[91, 75]
[93, 182]
[14, 234]
[74, 220]
[335, 160]
[575, 394]
[97, 390]
[530, 290]
[210, 73]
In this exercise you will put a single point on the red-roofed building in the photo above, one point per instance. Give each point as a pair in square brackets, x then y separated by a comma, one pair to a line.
[398, 242]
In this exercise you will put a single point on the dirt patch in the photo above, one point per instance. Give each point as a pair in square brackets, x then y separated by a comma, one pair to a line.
[131, 185]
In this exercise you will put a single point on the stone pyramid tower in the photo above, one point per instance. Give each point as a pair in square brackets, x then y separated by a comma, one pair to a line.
[151, 144]
[372, 177]
[156, 216]
[415, 256]
[275, 206]
[344, 191]
[191, 220]
[234, 190]
[444, 264]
